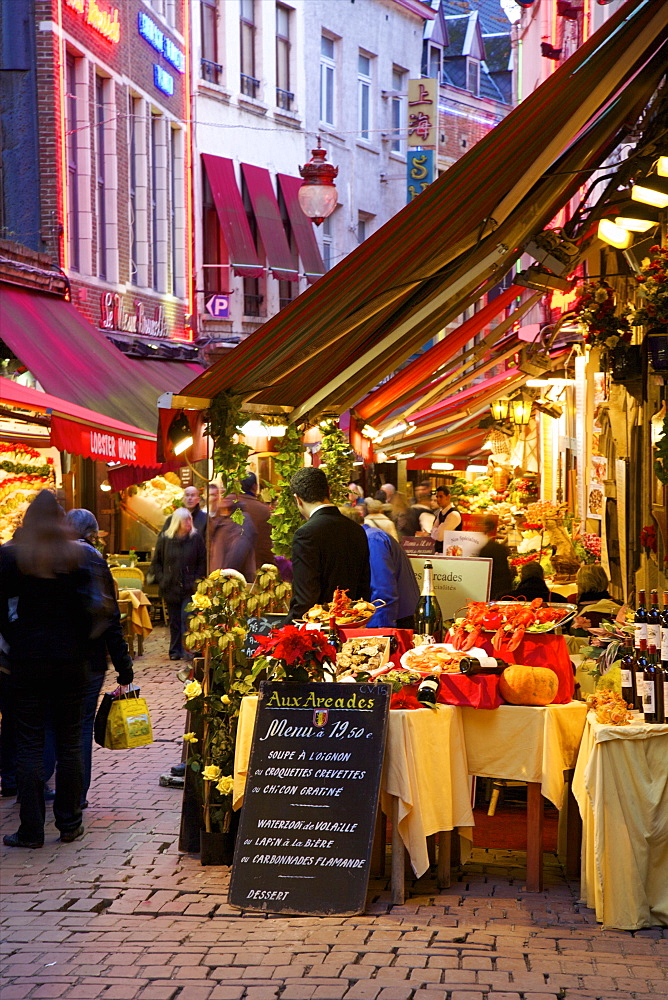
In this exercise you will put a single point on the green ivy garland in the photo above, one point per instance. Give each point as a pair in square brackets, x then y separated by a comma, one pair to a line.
[337, 455]
[286, 518]
[230, 458]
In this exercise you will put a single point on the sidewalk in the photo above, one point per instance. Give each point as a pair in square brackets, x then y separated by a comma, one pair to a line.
[120, 915]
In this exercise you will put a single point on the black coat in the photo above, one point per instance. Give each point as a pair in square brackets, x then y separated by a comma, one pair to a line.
[107, 636]
[328, 551]
[200, 520]
[178, 563]
[502, 575]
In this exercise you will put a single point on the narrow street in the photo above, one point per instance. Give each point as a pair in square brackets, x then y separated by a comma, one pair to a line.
[120, 915]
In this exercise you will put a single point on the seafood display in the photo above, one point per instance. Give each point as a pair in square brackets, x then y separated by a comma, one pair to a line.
[432, 658]
[343, 610]
[365, 654]
[610, 708]
[508, 620]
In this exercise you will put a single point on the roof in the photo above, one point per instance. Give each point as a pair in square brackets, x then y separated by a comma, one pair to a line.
[492, 16]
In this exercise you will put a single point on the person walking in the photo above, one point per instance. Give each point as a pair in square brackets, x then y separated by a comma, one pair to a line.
[259, 513]
[192, 502]
[377, 518]
[178, 563]
[232, 545]
[328, 550]
[106, 635]
[44, 579]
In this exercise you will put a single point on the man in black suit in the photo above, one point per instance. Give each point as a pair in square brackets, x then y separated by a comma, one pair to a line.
[328, 551]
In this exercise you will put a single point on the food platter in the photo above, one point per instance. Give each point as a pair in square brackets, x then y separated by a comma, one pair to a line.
[436, 657]
[508, 621]
[345, 612]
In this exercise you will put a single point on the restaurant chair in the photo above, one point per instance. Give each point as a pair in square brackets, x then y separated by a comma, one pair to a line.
[129, 578]
[125, 608]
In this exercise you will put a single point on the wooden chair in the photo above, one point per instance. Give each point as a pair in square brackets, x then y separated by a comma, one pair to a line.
[129, 578]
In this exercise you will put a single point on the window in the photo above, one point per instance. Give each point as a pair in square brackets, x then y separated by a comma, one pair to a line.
[432, 58]
[286, 291]
[284, 97]
[212, 246]
[361, 228]
[210, 68]
[73, 235]
[100, 177]
[253, 297]
[473, 76]
[249, 83]
[133, 128]
[327, 69]
[176, 214]
[157, 204]
[327, 243]
[363, 94]
[397, 110]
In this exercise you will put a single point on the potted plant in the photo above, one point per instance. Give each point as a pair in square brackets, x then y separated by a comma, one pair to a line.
[603, 328]
[653, 311]
[293, 653]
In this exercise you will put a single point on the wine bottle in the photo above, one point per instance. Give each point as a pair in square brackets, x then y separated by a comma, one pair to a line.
[649, 691]
[654, 621]
[333, 635]
[640, 620]
[427, 691]
[428, 617]
[639, 665]
[664, 632]
[659, 693]
[471, 665]
[628, 676]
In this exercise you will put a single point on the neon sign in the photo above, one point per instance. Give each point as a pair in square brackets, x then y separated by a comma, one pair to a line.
[152, 34]
[105, 22]
[163, 80]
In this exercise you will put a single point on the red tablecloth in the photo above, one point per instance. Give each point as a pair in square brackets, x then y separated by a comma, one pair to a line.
[455, 689]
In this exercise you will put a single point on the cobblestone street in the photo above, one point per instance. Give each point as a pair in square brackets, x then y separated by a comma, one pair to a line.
[120, 915]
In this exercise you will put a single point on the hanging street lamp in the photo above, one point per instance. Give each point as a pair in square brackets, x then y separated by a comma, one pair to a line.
[318, 195]
[499, 408]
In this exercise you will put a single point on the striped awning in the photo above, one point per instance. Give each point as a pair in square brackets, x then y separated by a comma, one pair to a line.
[447, 248]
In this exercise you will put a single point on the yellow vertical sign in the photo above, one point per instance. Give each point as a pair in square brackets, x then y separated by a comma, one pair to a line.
[422, 113]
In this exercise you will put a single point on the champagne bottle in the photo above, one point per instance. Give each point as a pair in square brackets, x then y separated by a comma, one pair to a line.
[628, 676]
[654, 621]
[427, 691]
[660, 693]
[664, 632]
[639, 669]
[649, 691]
[333, 635]
[471, 665]
[428, 617]
[640, 620]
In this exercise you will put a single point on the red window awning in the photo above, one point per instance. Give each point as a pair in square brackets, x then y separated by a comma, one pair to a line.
[82, 431]
[237, 233]
[302, 227]
[282, 262]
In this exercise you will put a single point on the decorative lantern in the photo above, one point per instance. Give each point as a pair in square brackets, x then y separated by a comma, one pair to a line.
[520, 410]
[499, 408]
[318, 195]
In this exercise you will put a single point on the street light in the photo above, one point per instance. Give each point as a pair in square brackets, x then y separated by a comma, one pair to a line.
[318, 195]
[520, 410]
[499, 408]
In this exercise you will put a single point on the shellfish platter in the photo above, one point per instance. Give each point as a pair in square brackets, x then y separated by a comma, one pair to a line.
[436, 658]
[508, 621]
[343, 610]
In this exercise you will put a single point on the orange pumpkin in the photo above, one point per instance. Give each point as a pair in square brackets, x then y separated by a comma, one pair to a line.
[523, 685]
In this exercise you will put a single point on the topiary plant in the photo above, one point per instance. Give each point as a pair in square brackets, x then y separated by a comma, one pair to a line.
[337, 457]
[285, 518]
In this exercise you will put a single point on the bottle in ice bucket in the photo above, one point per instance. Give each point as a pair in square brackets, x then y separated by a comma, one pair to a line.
[640, 620]
[649, 693]
[427, 691]
[639, 669]
[628, 676]
[471, 665]
[654, 622]
[428, 617]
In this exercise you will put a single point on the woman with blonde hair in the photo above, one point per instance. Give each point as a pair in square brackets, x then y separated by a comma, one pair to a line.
[178, 563]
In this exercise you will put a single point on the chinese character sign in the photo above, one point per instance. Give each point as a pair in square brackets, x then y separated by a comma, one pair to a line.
[422, 112]
[419, 171]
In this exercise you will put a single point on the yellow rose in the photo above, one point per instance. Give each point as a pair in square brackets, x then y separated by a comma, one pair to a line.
[190, 738]
[211, 773]
[225, 785]
[225, 700]
[192, 690]
[201, 601]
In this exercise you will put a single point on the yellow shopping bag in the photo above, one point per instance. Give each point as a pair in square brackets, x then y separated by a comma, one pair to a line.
[128, 724]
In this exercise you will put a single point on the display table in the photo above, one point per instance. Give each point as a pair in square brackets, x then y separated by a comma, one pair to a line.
[139, 615]
[531, 744]
[621, 787]
[424, 786]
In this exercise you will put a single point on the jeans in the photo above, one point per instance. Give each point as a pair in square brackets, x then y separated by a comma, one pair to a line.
[48, 689]
[178, 626]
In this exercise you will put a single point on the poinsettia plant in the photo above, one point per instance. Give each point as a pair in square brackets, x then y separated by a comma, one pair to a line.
[293, 653]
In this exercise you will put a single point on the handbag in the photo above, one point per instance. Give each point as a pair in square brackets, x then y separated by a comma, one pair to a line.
[123, 722]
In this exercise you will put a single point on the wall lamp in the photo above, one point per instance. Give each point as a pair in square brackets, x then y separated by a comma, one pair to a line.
[651, 190]
[179, 434]
[499, 408]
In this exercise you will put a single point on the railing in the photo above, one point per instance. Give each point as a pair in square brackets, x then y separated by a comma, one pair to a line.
[211, 71]
[284, 99]
[249, 85]
[252, 304]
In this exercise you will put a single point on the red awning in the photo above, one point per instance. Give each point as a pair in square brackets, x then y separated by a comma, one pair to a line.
[237, 233]
[82, 431]
[385, 398]
[282, 262]
[302, 227]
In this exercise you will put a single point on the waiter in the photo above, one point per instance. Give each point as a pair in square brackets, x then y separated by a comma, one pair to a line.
[447, 518]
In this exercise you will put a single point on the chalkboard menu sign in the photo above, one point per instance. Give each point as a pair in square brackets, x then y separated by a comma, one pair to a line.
[260, 626]
[307, 822]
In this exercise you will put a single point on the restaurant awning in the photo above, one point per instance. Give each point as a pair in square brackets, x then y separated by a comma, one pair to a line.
[73, 360]
[445, 249]
[79, 430]
[302, 229]
[281, 261]
[237, 234]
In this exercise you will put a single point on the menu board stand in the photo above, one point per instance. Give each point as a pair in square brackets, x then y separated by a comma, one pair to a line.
[307, 822]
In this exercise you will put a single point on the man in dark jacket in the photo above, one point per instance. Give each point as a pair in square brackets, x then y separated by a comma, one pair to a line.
[328, 551]
[192, 502]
